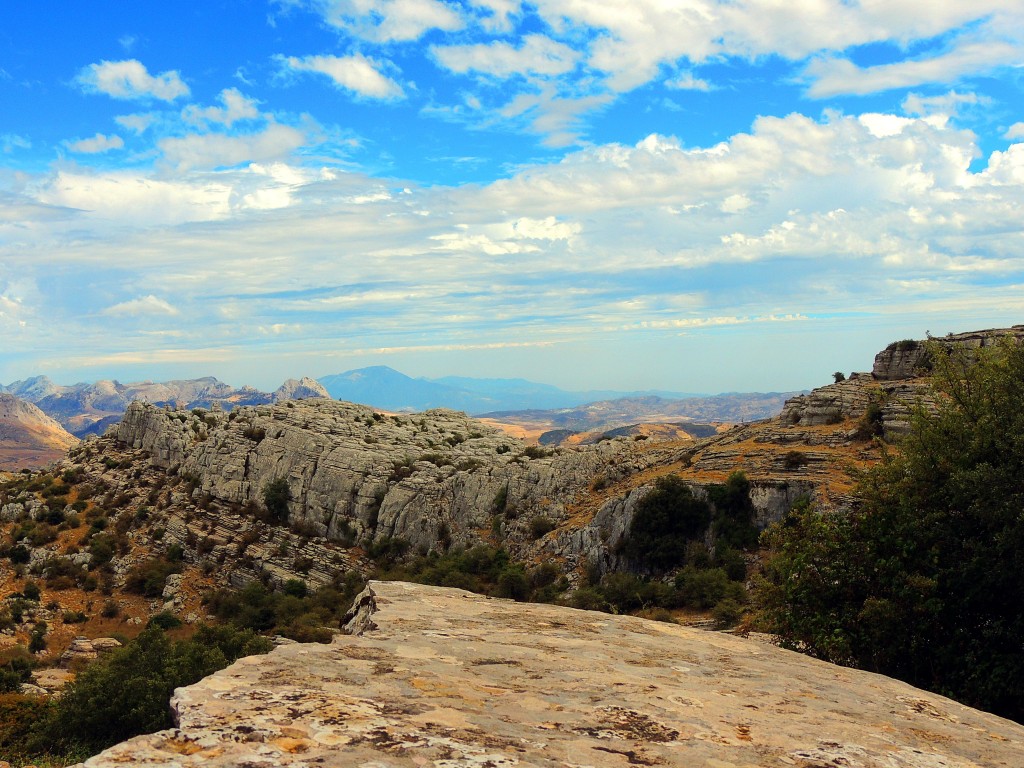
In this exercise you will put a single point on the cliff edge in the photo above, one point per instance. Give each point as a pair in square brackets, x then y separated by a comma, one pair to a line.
[446, 678]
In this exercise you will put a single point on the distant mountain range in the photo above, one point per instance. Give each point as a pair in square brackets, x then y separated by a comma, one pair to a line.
[89, 408]
[386, 388]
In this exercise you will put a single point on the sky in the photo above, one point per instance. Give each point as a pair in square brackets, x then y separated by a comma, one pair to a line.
[687, 195]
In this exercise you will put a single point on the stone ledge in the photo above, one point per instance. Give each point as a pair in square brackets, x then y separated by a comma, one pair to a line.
[456, 680]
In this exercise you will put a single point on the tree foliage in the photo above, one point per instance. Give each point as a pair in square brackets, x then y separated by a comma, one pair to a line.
[276, 495]
[924, 580]
[666, 519]
[127, 693]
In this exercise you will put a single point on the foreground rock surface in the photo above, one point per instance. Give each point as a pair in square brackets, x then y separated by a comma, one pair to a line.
[445, 678]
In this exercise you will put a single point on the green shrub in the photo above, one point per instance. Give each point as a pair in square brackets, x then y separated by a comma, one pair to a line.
[921, 579]
[276, 495]
[127, 692]
[703, 589]
[164, 620]
[666, 519]
[149, 577]
[540, 526]
[727, 613]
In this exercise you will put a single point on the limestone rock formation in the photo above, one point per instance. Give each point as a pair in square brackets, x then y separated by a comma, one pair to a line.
[445, 678]
[28, 437]
[299, 389]
[907, 359]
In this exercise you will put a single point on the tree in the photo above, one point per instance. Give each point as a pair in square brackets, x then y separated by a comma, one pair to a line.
[838, 376]
[276, 495]
[924, 579]
[666, 519]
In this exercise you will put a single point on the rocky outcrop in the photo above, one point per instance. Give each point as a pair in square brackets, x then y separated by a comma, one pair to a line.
[354, 474]
[299, 389]
[445, 678]
[908, 359]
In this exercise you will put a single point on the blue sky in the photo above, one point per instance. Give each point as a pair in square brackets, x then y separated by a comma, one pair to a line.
[692, 195]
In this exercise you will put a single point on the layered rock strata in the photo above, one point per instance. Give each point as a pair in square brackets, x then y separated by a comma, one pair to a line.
[440, 677]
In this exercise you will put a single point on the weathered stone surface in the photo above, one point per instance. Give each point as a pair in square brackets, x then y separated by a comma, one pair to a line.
[906, 359]
[299, 389]
[52, 679]
[453, 680]
[80, 652]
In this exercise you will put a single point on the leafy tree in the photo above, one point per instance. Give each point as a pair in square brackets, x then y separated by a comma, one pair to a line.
[666, 519]
[924, 580]
[127, 693]
[276, 496]
[734, 513]
[838, 376]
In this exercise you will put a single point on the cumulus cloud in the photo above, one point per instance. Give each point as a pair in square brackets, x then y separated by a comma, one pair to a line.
[355, 73]
[1015, 131]
[143, 306]
[389, 20]
[843, 214]
[218, 150]
[236, 107]
[137, 124]
[687, 82]
[96, 144]
[130, 79]
[127, 197]
[538, 54]
[948, 104]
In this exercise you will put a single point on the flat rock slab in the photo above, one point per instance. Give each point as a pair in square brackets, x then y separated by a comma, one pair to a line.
[455, 680]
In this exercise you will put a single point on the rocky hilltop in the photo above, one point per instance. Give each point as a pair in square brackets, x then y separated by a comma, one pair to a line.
[28, 437]
[433, 676]
[357, 483]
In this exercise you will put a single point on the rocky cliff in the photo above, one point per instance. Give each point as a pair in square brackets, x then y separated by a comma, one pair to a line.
[440, 677]
[358, 476]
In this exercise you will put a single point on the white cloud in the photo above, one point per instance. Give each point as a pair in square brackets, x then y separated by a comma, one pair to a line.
[948, 104]
[144, 306]
[130, 80]
[537, 54]
[355, 73]
[1015, 131]
[98, 143]
[389, 20]
[850, 213]
[12, 141]
[236, 107]
[217, 150]
[558, 120]
[137, 124]
[687, 82]
[498, 13]
[834, 77]
[128, 198]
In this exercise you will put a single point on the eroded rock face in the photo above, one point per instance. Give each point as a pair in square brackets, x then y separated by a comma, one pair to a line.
[356, 474]
[908, 359]
[445, 678]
